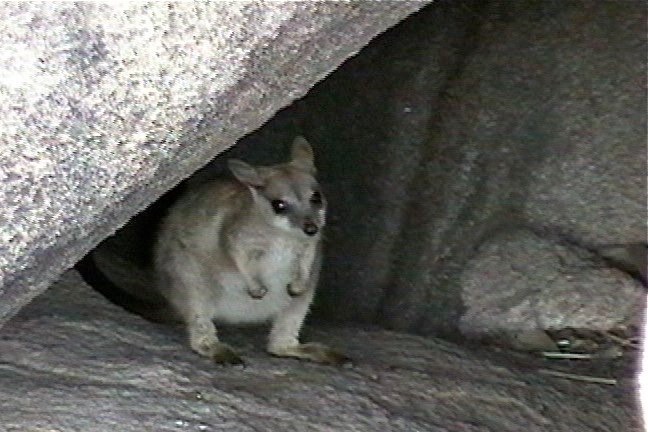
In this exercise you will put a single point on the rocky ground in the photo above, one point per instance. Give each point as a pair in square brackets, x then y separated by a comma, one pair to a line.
[71, 361]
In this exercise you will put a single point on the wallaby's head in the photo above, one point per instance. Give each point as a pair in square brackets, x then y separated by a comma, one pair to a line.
[288, 194]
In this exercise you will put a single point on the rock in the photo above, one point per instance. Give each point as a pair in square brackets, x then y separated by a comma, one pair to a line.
[525, 340]
[103, 107]
[519, 281]
[72, 361]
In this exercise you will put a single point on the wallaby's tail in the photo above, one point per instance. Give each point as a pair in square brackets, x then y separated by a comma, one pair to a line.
[155, 311]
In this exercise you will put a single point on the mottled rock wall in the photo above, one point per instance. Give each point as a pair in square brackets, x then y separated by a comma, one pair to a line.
[103, 107]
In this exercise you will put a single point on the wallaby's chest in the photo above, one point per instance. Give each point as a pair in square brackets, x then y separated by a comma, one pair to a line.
[276, 260]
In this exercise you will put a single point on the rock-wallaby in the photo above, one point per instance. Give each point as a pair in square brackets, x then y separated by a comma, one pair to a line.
[245, 251]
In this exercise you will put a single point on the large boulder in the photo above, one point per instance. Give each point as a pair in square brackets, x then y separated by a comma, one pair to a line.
[520, 283]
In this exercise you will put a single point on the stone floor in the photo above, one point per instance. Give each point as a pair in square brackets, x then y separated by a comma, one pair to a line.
[71, 361]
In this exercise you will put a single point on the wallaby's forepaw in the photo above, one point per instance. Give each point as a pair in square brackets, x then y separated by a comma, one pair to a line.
[295, 290]
[258, 292]
[312, 351]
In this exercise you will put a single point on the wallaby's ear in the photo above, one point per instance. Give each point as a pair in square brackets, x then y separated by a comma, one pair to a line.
[302, 155]
[245, 173]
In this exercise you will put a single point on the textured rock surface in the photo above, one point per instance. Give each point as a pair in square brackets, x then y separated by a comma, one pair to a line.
[104, 107]
[71, 361]
[520, 281]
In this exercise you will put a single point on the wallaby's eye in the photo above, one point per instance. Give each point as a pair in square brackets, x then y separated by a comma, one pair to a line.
[279, 206]
[316, 198]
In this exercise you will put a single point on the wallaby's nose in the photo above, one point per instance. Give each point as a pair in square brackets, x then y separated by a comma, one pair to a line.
[310, 228]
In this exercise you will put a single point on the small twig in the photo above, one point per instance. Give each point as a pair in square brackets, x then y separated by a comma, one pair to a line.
[591, 379]
[625, 342]
[563, 355]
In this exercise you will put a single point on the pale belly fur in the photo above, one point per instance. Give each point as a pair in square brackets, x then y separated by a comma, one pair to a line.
[234, 304]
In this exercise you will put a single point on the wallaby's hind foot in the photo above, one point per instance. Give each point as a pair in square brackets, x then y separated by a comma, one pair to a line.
[203, 340]
[220, 352]
[225, 355]
[315, 352]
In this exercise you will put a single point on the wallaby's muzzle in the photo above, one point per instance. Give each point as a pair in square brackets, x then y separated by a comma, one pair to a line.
[310, 228]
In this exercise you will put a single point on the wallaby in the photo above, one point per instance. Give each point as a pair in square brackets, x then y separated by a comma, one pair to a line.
[247, 250]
